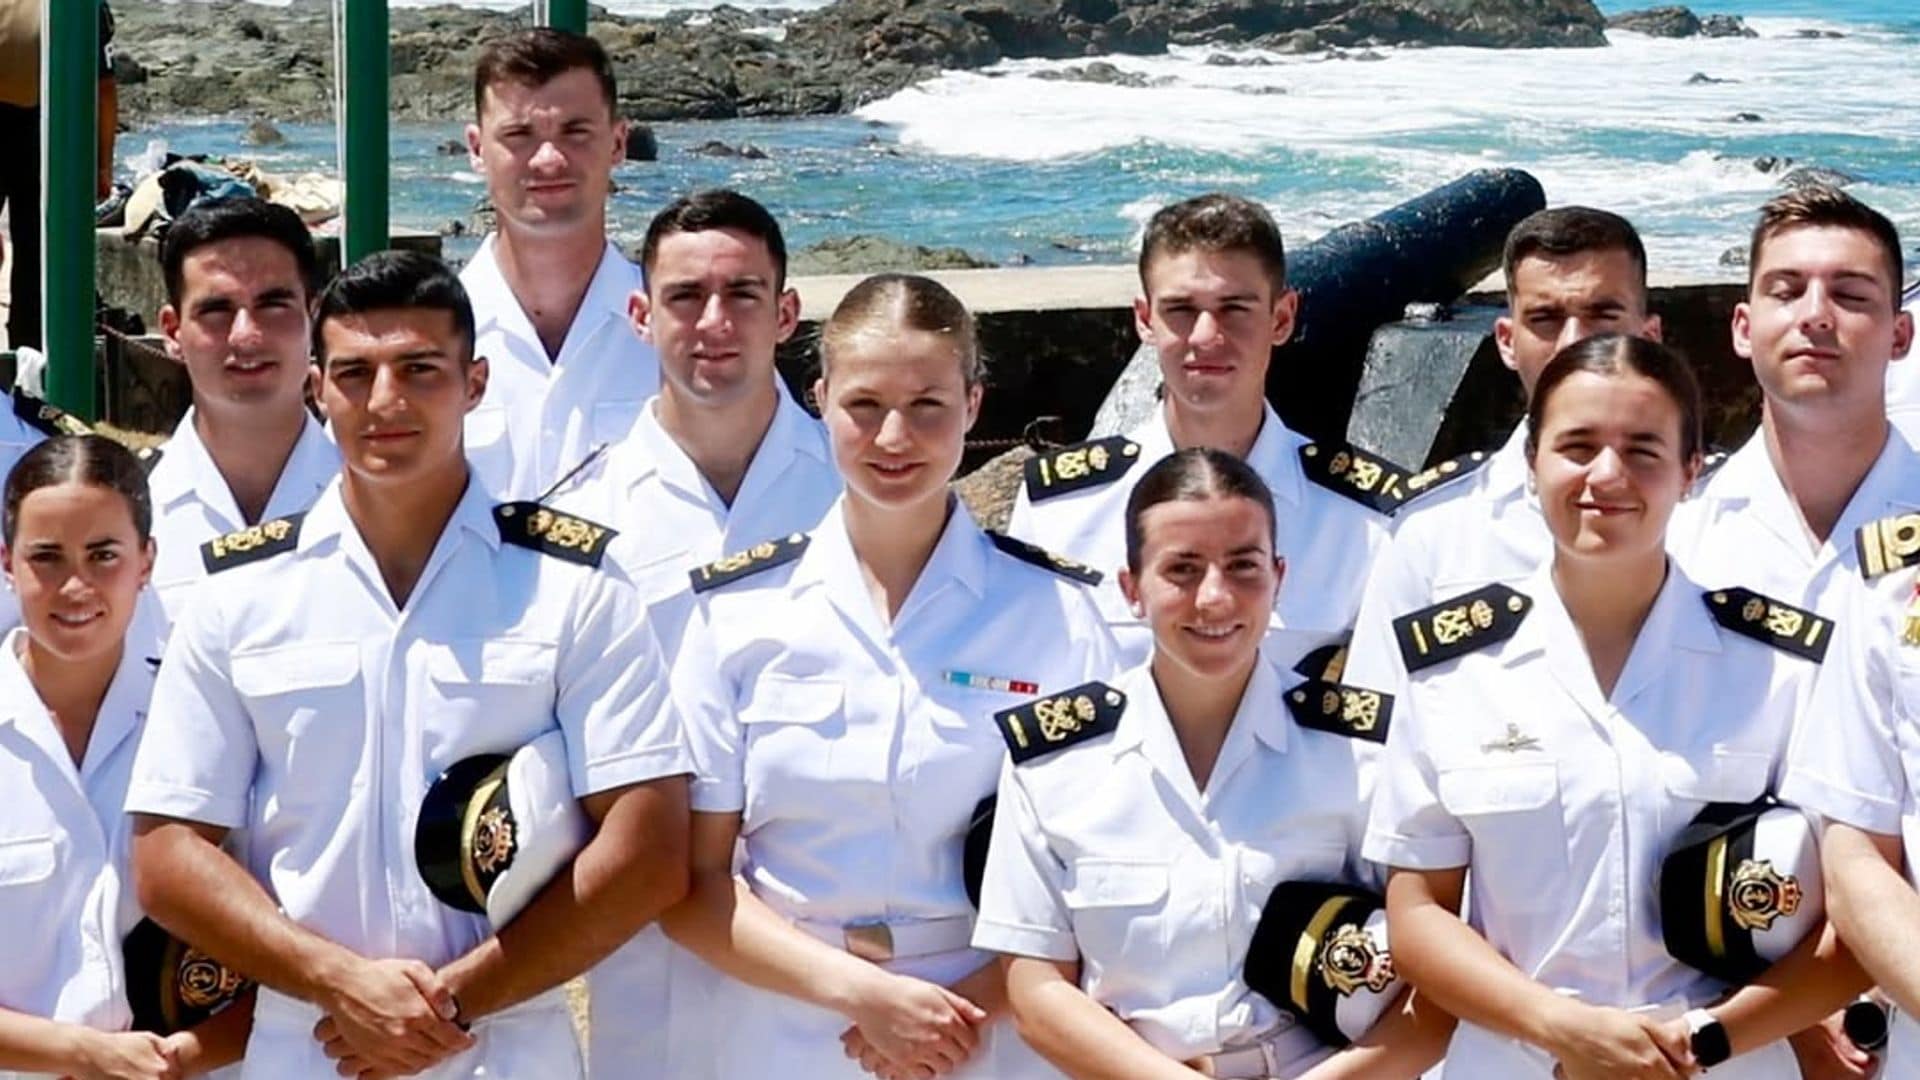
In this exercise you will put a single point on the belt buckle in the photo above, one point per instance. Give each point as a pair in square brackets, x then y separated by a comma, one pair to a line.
[872, 942]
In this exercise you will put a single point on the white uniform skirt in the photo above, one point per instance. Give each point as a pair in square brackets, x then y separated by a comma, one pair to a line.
[771, 1035]
[533, 1040]
[651, 1016]
[1478, 1054]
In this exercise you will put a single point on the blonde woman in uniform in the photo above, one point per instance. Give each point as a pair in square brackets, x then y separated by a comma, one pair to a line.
[839, 689]
[1556, 738]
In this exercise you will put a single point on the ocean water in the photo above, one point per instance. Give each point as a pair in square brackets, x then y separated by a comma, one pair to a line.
[1018, 169]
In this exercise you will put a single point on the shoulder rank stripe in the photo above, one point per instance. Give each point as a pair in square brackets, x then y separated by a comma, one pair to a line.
[1460, 625]
[1053, 723]
[1353, 711]
[1046, 560]
[1445, 473]
[251, 545]
[1328, 662]
[46, 418]
[1767, 620]
[1082, 465]
[546, 530]
[764, 555]
[1889, 544]
[1368, 479]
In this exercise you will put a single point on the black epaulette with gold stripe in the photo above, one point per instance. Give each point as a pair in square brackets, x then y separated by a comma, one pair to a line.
[1767, 620]
[550, 532]
[1056, 722]
[1368, 479]
[1439, 476]
[764, 555]
[1046, 560]
[1459, 625]
[1890, 544]
[149, 457]
[262, 541]
[1082, 465]
[46, 418]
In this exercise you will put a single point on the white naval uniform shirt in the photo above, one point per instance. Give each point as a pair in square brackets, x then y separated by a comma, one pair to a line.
[1107, 853]
[295, 700]
[856, 761]
[648, 999]
[1864, 770]
[1481, 529]
[1903, 387]
[192, 504]
[1562, 802]
[66, 898]
[541, 417]
[1328, 539]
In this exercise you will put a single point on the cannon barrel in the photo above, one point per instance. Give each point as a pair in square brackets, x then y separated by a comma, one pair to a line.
[1429, 249]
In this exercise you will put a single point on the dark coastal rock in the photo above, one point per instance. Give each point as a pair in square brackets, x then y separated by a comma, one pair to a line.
[1818, 35]
[451, 148]
[229, 56]
[261, 132]
[1734, 257]
[1099, 72]
[1810, 175]
[1230, 60]
[1667, 22]
[1721, 26]
[865, 254]
[1701, 78]
[1746, 118]
[642, 144]
[716, 148]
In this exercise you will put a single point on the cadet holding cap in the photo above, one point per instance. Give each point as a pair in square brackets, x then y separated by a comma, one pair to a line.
[1596, 746]
[1176, 878]
[73, 697]
[839, 689]
[339, 663]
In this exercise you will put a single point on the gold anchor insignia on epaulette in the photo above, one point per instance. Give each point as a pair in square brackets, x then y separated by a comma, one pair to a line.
[560, 530]
[235, 543]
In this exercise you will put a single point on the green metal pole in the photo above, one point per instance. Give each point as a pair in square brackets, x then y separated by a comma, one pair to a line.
[363, 127]
[69, 68]
[562, 14]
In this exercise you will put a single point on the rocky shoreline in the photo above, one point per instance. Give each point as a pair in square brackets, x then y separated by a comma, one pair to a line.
[233, 57]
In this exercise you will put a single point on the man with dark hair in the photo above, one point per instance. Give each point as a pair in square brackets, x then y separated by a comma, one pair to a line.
[402, 628]
[549, 290]
[1571, 272]
[722, 459]
[240, 275]
[1214, 303]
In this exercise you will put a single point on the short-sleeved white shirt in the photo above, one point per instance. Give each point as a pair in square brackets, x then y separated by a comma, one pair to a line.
[296, 701]
[1481, 529]
[1864, 770]
[1328, 539]
[1106, 852]
[649, 997]
[856, 753]
[1562, 802]
[16, 438]
[1903, 387]
[192, 504]
[541, 417]
[66, 898]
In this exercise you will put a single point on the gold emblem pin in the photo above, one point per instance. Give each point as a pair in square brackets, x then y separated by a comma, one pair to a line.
[1514, 742]
[1758, 894]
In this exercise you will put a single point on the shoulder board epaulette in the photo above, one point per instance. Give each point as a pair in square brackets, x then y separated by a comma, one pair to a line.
[546, 530]
[1328, 662]
[1368, 479]
[1353, 711]
[1082, 465]
[1710, 463]
[1060, 720]
[764, 555]
[1890, 544]
[1445, 473]
[1459, 625]
[46, 418]
[149, 457]
[266, 539]
[1046, 560]
[1767, 620]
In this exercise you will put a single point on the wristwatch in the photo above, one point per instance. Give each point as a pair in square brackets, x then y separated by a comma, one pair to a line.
[1708, 1038]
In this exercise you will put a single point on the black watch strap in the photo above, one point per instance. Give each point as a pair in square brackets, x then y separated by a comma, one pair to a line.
[1710, 1045]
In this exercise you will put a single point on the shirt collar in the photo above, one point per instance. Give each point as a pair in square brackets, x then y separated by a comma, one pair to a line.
[495, 305]
[1261, 711]
[960, 555]
[187, 469]
[121, 711]
[1275, 453]
[648, 449]
[185, 466]
[328, 520]
[1507, 472]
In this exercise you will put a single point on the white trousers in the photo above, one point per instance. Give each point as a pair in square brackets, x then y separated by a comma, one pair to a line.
[531, 1041]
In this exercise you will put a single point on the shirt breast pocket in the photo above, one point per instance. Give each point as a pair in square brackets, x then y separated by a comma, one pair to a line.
[1719, 776]
[1118, 908]
[494, 694]
[308, 707]
[1514, 815]
[26, 860]
[792, 732]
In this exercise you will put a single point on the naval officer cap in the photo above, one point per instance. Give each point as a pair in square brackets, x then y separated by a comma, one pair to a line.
[495, 828]
[1740, 888]
[1320, 952]
[172, 986]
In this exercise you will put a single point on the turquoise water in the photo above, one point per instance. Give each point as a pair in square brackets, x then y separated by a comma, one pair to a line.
[1022, 170]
